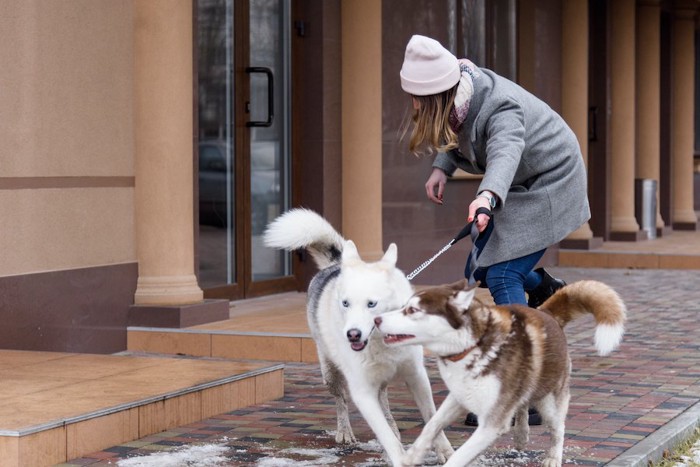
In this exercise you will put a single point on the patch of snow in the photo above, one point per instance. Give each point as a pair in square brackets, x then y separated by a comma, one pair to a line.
[209, 455]
[319, 457]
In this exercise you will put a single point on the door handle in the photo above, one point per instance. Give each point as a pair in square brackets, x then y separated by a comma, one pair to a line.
[593, 123]
[270, 90]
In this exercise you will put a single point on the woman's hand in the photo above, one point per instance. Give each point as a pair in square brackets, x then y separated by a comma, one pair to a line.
[482, 220]
[435, 186]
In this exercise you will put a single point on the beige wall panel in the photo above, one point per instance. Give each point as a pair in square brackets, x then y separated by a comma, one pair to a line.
[53, 229]
[66, 101]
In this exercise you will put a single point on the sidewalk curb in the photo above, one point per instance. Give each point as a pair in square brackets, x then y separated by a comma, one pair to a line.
[653, 446]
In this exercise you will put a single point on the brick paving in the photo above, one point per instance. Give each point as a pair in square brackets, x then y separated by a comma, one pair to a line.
[617, 401]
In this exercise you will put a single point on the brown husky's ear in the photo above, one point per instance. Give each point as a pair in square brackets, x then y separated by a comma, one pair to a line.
[463, 298]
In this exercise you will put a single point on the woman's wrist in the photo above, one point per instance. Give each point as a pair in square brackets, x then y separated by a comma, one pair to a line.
[488, 196]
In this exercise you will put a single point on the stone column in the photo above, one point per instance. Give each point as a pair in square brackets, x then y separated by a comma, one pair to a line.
[362, 125]
[622, 120]
[682, 133]
[163, 127]
[648, 79]
[574, 99]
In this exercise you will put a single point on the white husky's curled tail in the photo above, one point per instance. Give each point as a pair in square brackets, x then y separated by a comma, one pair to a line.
[598, 299]
[303, 228]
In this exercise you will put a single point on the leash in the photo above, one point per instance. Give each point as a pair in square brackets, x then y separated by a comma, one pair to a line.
[469, 229]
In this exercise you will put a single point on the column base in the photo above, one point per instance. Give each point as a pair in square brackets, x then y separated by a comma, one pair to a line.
[692, 226]
[664, 231]
[628, 236]
[178, 316]
[581, 243]
[167, 290]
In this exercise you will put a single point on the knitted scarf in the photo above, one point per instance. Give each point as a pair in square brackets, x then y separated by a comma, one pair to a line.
[465, 90]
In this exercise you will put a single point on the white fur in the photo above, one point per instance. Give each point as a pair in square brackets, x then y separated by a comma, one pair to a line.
[349, 303]
[299, 228]
[463, 298]
[302, 228]
[608, 338]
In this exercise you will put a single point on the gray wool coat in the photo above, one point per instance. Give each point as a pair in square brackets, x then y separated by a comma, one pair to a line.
[530, 159]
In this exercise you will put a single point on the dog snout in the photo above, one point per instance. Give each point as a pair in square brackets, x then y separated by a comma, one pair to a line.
[354, 335]
[377, 321]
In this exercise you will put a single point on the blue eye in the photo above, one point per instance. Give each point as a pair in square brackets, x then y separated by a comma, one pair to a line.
[345, 303]
[371, 304]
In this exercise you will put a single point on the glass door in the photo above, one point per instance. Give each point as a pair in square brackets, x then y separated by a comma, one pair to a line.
[243, 130]
[268, 121]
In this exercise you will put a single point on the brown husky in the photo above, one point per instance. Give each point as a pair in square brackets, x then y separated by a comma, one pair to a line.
[499, 360]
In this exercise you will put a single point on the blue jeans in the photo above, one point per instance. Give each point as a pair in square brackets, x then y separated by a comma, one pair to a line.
[507, 281]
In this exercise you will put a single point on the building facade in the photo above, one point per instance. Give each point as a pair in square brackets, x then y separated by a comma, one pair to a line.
[147, 143]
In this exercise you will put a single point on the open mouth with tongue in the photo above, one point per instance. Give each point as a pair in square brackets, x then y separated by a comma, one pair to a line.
[395, 338]
[357, 346]
[355, 337]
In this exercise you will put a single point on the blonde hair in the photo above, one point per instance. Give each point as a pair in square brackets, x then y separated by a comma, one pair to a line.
[431, 130]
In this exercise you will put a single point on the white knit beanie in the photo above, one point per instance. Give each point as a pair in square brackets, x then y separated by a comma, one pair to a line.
[428, 68]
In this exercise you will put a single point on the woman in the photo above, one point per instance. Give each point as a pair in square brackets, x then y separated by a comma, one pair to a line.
[534, 179]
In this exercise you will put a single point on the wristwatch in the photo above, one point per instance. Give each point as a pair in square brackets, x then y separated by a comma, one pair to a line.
[491, 199]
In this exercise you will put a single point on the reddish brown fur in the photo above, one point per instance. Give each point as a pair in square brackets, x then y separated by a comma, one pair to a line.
[508, 326]
[520, 332]
[571, 304]
[525, 349]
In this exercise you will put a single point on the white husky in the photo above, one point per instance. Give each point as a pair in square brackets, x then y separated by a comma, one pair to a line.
[343, 299]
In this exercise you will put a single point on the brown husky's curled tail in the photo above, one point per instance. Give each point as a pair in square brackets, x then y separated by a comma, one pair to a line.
[596, 298]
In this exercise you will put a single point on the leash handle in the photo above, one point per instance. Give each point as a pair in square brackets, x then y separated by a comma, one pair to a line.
[467, 229]
[474, 255]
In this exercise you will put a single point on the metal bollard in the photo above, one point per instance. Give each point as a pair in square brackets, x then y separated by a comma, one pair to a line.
[645, 205]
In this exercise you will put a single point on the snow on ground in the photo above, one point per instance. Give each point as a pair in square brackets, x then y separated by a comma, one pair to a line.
[209, 455]
[221, 455]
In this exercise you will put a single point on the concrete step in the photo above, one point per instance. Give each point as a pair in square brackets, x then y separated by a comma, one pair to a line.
[271, 328]
[59, 406]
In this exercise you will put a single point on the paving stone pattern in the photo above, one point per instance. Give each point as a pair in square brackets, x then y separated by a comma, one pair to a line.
[616, 401]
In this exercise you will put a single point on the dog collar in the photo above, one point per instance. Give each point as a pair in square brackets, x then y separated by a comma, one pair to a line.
[458, 356]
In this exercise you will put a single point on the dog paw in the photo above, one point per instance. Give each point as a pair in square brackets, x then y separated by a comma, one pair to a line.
[442, 457]
[412, 457]
[521, 436]
[520, 441]
[443, 453]
[551, 462]
[345, 437]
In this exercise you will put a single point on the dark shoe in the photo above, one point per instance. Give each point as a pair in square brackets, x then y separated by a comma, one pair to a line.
[471, 420]
[533, 418]
[546, 289]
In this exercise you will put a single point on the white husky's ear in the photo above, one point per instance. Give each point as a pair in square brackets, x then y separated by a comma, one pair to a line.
[462, 299]
[350, 251]
[390, 255]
